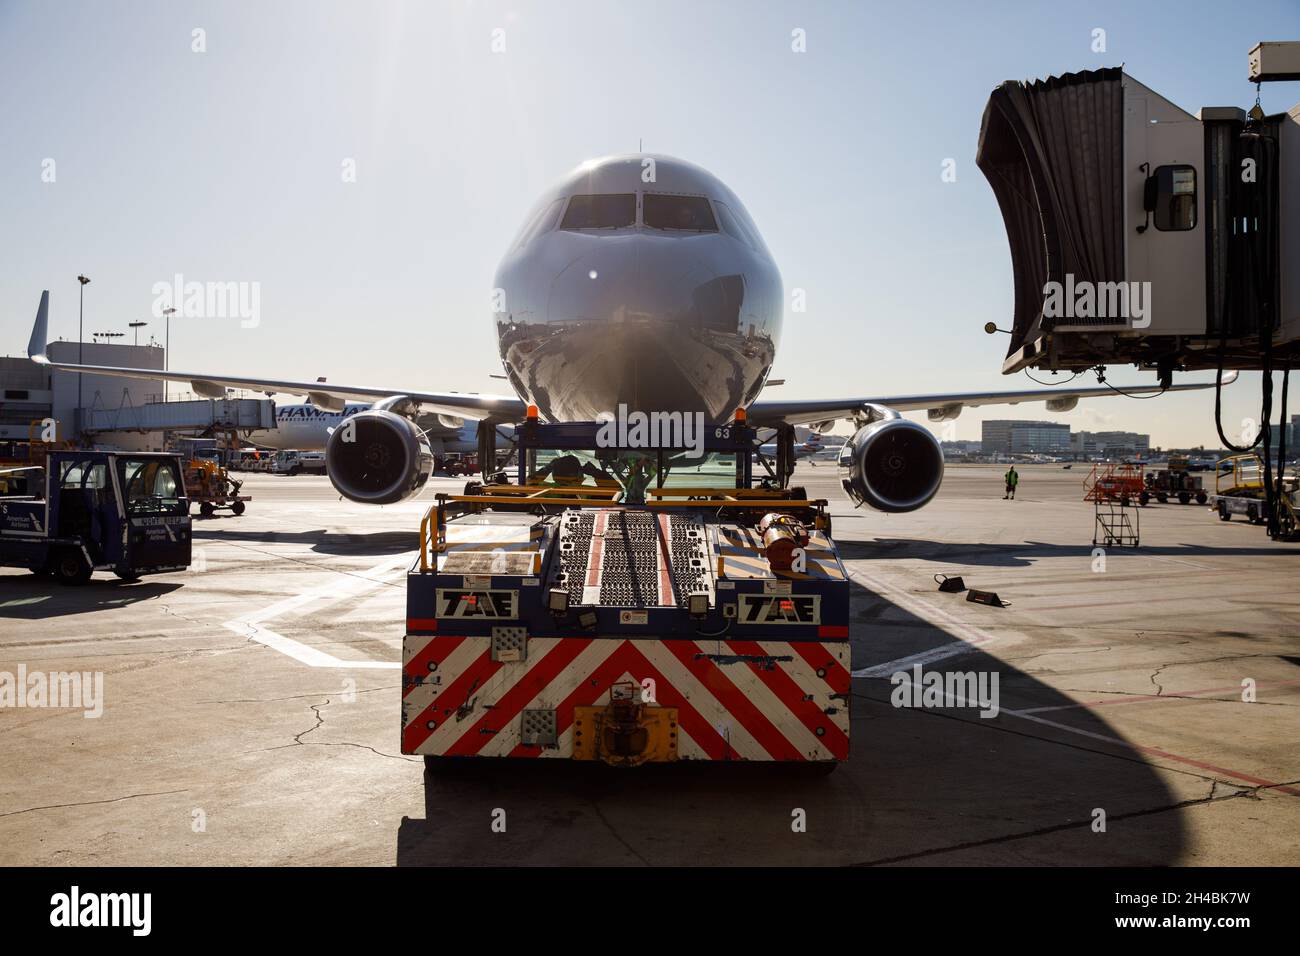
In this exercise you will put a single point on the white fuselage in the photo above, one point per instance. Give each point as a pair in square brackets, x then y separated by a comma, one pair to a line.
[307, 428]
[638, 280]
[302, 426]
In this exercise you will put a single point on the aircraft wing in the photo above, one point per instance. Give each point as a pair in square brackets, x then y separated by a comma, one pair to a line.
[944, 407]
[455, 404]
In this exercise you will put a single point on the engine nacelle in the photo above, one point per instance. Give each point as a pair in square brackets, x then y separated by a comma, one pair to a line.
[891, 465]
[377, 457]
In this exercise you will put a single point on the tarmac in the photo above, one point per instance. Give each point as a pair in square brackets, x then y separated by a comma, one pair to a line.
[1147, 704]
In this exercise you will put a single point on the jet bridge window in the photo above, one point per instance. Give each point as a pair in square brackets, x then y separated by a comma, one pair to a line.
[684, 213]
[1174, 200]
[602, 211]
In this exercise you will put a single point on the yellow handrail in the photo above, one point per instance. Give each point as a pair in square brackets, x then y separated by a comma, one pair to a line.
[605, 503]
[671, 492]
[424, 539]
[534, 489]
[496, 499]
[1238, 473]
[777, 503]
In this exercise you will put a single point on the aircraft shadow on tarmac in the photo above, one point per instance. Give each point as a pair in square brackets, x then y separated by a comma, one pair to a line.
[927, 785]
[29, 598]
[378, 543]
[1021, 554]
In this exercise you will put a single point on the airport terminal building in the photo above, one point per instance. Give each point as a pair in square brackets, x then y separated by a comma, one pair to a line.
[1014, 437]
[1111, 444]
[32, 393]
[106, 411]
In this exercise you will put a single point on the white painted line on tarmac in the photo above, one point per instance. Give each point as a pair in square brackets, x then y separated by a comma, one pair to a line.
[352, 584]
[969, 637]
[303, 653]
[250, 626]
[924, 657]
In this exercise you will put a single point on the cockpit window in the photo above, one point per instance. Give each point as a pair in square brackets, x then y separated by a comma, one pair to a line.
[687, 213]
[543, 221]
[733, 226]
[604, 211]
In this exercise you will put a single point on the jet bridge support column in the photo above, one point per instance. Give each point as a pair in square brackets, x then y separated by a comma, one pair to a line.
[784, 453]
[487, 448]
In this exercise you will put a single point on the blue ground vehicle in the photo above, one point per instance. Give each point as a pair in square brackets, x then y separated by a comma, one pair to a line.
[124, 512]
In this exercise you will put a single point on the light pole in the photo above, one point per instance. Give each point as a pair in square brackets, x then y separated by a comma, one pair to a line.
[136, 326]
[167, 348]
[81, 315]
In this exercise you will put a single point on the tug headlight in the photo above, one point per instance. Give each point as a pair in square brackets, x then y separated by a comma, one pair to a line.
[698, 605]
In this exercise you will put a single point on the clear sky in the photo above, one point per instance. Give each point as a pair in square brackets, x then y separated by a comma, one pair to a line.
[226, 165]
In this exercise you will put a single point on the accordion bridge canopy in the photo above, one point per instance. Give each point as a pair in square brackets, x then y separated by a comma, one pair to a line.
[1052, 150]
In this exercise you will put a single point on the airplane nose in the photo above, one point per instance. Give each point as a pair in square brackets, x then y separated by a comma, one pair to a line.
[653, 322]
[632, 279]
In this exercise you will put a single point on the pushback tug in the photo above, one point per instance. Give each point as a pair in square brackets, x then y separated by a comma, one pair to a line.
[628, 606]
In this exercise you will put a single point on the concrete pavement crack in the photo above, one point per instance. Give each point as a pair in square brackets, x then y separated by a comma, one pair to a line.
[1130, 756]
[1055, 828]
[348, 743]
[272, 700]
[1129, 693]
[320, 720]
[1156, 673]
[91, 803]
[172, 612]
[600, 815]
[319, 566]
[1207, 660]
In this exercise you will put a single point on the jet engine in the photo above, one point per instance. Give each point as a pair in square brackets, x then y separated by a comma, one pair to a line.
[378, 457]
[892, 465]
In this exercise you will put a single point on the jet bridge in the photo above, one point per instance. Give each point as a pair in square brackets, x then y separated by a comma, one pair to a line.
[193, 416]
[1140, 232]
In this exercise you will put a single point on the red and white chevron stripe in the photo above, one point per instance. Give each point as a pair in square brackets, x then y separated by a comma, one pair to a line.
[736, 700]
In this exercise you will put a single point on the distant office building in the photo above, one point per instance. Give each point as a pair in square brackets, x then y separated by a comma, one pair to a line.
[1111, 445]
[1012, 437]
[995, 436]
[958, 450]
[1291, 432]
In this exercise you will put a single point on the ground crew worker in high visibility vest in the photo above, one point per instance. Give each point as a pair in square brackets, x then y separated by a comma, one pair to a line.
[1013, 479]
